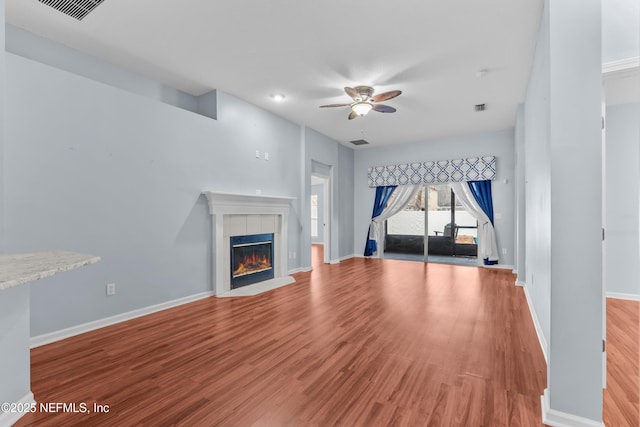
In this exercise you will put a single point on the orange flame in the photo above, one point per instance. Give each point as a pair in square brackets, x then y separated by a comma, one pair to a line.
[252, 264]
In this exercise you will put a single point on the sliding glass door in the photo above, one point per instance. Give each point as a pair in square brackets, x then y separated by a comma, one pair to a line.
[451, 231]
[405, 230]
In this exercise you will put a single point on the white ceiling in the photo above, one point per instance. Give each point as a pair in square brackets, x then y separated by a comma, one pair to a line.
[431, 50]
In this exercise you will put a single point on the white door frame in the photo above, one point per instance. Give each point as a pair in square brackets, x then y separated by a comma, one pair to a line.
[604, 243]
[326, 219]
[325, 173]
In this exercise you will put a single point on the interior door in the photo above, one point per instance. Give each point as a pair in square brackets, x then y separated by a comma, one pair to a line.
[604, 245]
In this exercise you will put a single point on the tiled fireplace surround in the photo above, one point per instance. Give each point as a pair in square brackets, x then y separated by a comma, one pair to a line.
[242, 214]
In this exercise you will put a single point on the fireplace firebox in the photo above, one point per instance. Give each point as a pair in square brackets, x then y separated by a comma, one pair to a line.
[251, 259]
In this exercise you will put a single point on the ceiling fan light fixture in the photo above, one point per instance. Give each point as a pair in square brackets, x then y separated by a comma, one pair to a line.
[361, 108]
[364, 101]
[278, 97]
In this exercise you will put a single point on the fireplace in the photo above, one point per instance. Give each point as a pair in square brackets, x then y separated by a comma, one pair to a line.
[234, 215]
[251, 259]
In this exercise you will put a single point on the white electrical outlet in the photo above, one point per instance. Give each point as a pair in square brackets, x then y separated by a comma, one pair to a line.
[111, 289]
[504, 251]
[258, 192]
[266, 156]
[294, 254]
[257, 154]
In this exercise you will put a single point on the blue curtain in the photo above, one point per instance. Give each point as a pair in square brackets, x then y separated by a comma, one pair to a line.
[382, 197]
[481, 191]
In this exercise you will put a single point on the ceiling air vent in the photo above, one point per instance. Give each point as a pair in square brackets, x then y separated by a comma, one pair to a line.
[359, 142]
[480, 107]
[77, 9]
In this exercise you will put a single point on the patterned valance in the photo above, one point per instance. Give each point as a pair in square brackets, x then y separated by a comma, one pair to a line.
[471, 169]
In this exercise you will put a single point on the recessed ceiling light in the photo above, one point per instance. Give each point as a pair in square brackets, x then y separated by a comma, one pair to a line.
[278, 97]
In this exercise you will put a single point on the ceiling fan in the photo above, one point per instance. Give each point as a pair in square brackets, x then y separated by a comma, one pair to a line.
[364, 101]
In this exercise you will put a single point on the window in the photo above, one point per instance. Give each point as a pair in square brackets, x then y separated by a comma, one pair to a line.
[314, 215]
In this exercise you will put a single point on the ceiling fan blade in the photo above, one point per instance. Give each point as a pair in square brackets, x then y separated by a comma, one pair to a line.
[334, 105]
[352, 92]
[384, 108]
[386, 95]
[352, 115]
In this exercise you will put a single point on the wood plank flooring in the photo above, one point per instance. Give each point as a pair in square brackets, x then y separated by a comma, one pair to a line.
[622, 395]
[361, 343]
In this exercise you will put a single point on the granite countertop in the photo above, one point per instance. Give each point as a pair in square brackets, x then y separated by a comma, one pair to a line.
[18, 269]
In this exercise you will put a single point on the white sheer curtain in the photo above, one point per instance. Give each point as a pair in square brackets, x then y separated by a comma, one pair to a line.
[487, 247]
[401, 196]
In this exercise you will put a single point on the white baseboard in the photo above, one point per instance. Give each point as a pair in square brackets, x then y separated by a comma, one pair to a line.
[618, 295]
[344, 258]
[519, 282]
[258, 288]
[498, 266]
[51, 337]
[333, 261]
[562, 419]
[10, 418]
[536, 323]
[300, 270]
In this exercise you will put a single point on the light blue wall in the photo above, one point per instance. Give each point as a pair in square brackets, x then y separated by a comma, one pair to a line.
[575, 356]
[321, 149]
[536, 164]
[318, 191]
[118, 175]
[2, 126]
[14, 303]
[96, 166]
[563, 250]
[622, 254]
[29, 45]
[520, 186]
[346, 200]
[14, 346]
[620, 30]
[499, 144]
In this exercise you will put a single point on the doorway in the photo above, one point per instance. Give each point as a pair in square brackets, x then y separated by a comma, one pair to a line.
[436, 217]
[320, 218]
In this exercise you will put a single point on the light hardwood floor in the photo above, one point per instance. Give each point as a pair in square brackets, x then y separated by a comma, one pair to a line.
[361, 343]
[622, 395]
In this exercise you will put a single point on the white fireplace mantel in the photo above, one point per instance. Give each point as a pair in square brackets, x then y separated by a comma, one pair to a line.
[231, 203]
[232, 214]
